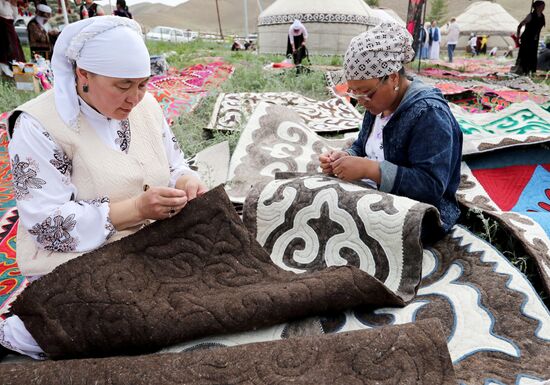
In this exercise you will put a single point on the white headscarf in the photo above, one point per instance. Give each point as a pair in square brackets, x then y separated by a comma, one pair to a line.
[297, 24]
[377, 52]
[43, 8]
[108, 45]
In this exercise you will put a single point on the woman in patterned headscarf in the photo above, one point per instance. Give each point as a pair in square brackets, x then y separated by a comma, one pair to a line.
[92, 160]
[410, 144]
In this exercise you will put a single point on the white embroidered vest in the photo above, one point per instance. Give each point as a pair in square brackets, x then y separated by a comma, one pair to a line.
[97, 169]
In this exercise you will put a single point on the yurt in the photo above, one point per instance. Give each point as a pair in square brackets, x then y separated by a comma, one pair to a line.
[330, 24]
[387, 15]
[486, 18]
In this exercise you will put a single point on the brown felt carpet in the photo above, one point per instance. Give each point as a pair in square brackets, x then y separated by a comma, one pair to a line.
[199, 273]
[408, 354]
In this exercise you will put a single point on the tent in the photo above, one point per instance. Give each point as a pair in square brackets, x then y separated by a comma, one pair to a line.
[486, 18]
[387, 14]
[330, 24]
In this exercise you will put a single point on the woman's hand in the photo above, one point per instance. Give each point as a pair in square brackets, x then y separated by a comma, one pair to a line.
[328, 158]
[160, 202]
[192, 186]
[354, 168]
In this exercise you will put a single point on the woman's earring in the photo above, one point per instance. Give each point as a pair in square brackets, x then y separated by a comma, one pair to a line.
[85, 88]
[396, 88]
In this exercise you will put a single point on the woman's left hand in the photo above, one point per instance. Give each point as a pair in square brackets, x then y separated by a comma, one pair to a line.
[191, 185]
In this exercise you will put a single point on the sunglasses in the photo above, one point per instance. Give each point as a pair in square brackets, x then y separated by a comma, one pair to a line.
[369, 95]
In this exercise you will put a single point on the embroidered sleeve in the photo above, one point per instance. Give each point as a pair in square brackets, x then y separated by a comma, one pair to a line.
[176, 159]
[44, 193]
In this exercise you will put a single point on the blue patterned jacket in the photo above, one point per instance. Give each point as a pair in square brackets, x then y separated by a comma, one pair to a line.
[422, 151]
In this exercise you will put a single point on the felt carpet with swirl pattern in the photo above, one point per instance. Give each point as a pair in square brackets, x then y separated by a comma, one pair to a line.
[365, 357]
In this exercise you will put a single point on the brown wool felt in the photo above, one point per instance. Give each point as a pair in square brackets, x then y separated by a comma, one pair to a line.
[197, 274]
[407, 354]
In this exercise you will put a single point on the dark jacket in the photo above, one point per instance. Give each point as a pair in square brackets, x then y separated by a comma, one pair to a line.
[422, 151]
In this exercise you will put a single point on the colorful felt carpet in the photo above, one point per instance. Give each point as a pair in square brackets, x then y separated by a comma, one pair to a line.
[4, 121]
[496, 326]
[519, 124]
[513, 186]
[275, 139]
[476, 98]
[11, 281]
[332, 116]
[179, 92]
[476, 65]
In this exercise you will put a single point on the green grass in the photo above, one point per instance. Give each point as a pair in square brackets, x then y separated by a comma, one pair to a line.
[249, 76]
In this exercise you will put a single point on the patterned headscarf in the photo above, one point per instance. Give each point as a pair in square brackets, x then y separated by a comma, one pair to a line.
[378, 52]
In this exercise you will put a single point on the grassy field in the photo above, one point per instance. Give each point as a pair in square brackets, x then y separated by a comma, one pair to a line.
[249, 76]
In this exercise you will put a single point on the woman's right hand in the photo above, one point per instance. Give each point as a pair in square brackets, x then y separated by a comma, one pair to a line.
[326, 159]
[160, 202]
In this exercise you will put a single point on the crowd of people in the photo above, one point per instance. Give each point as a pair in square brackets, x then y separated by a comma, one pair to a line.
[531, 55]
[41, 35]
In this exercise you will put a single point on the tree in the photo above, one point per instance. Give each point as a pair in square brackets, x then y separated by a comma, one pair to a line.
[372, 3]
[438, 11]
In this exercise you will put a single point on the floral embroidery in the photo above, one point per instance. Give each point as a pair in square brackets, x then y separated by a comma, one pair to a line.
[53, 233]
[176, 144]
[96, 202]
[110, 227]
[47, 135]
[124, 136]
[24, 177]
[62, 162]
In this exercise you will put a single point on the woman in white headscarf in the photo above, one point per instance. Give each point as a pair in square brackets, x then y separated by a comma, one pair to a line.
[296, 44]
[41, 35]
[409, 144]
[93, 160]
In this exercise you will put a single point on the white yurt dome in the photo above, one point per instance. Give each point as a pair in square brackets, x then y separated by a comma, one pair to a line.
[330, 24]
[485, 18]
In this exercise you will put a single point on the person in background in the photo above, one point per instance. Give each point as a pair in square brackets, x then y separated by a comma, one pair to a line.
[249, 45]
[529, 39]
[89, 9]
[422, 50]
[122, 9]
[41, 35]
[93, 160]
[509, 53]
[10, 46]
[493, 52]
[543, 61]
[483, 44]
[435, 37]
[410, 144]
[453, 33]
[297, 37]
[236, 46]
[472, 42]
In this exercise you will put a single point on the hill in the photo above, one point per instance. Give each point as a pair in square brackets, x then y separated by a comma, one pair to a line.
[200, 15]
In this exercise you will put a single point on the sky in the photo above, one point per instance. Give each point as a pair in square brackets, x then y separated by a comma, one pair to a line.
[132, 2]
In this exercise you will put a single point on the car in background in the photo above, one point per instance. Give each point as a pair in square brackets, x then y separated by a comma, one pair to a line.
[170, 34]
[20, 25]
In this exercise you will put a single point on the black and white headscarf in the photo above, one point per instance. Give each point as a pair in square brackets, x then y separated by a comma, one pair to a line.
[378, 52]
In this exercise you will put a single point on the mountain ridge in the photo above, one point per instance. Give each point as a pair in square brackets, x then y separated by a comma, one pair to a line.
[200, 15]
